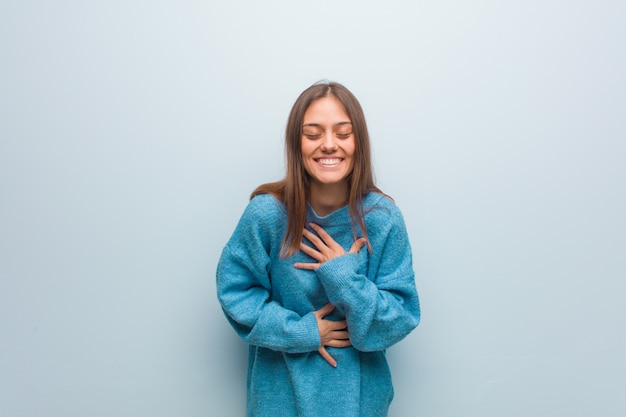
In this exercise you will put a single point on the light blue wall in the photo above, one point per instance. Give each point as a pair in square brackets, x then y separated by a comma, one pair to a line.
[132, 132]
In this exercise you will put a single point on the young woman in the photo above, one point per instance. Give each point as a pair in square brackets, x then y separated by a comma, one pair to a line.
[317, 277]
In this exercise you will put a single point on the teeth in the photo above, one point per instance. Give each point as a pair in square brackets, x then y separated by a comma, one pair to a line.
[329, 161]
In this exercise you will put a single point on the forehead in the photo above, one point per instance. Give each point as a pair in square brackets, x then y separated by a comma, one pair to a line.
[326, 110]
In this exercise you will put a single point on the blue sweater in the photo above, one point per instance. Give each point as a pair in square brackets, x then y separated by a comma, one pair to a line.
[270, 304]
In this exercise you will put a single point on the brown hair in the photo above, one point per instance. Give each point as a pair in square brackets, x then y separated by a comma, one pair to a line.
[294, 188]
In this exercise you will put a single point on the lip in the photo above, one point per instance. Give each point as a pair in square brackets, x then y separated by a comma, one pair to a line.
[329, 161]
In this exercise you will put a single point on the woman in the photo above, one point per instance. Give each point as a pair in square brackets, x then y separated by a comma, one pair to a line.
[317, 277]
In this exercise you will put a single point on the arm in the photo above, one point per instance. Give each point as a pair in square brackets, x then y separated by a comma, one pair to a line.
[244, 292]
[379, 311]
[259, 321]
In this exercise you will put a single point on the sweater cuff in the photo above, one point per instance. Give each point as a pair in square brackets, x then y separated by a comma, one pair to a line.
[309, 339]
[338, 273]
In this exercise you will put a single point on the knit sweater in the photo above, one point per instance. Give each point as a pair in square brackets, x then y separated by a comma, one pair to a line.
[271, 305]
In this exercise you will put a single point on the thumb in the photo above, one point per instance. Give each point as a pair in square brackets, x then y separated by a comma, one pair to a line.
[324, 311]
[357, 245]
[331, 361]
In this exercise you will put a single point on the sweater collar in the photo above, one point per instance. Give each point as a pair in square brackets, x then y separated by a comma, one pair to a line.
[339, 216]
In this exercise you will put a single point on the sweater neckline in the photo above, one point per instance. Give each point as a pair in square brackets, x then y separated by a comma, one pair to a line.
[334, 216]
[337, 217]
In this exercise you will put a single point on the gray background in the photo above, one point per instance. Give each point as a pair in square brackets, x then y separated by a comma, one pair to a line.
[132, 133]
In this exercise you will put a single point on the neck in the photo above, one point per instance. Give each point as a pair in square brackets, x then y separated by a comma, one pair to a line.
[326, 198]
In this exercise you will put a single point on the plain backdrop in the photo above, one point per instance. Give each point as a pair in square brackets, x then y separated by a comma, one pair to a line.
[132, 133]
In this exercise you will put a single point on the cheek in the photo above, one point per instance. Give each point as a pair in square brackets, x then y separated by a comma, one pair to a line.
[351, 148]
[352, 152]
[305, 148]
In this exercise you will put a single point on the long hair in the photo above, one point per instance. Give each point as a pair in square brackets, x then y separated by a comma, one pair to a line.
[293, 189]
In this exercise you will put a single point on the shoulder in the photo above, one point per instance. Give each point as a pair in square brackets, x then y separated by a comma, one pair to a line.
[263, 211]
[265, 205]
[381, 209]
[386, 228]
[262, 222]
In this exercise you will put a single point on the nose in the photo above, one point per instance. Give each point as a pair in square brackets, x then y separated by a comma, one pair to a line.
[329, 143]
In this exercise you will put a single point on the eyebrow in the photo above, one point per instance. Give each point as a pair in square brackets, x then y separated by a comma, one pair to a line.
[319, 125]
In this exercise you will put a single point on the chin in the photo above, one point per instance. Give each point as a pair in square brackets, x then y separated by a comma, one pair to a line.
[330, 181]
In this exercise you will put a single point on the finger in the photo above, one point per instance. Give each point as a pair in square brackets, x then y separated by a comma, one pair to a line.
[311, 252]
[314, 239]
[358, 245]
[336, 325]
[326, 310]
[340, 335]
[338, 343]
[322, 350]
[326, 238]
[309, 266]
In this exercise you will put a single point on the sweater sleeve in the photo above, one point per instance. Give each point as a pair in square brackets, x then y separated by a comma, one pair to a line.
[243, 289]
[380, 311]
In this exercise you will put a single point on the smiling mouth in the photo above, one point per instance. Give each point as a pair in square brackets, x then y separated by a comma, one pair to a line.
[328, 161]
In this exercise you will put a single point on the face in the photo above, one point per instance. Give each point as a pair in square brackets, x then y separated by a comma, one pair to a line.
[327, 142]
